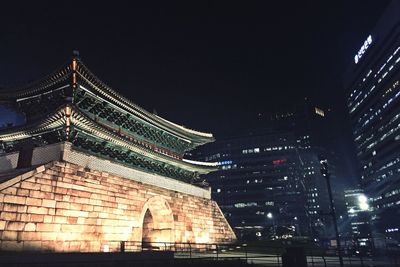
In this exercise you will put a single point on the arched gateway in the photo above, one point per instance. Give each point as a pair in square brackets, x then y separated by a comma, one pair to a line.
[158, 222]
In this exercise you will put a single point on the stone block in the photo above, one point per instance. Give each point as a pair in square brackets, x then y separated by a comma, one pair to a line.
[88, 221]
[72, 220]
[62, 205]
[22, 208]
[48, 219]
[32, 245]
[30, 227]
[75, 246]
[60, 219]
[51, 211]
[9, 235]
[80, 200]
[48, 227]
[48, 246]
[34, 201]
[10, 207]
[93, 214]
[11, 246]
[8, 216]
[37, 210]
[23, 192]
[45, 181]
[58, 197]
[82, 194]
[49, 203]
[73, 213]
[10, 191]
[40, 169]
[60, 190]
[2, 225]
[15, 226]
[87, 208]
[36, 217]
[75, 206]
[48, 236]
[14, 199]
[46, 188]
[31, 236]
[69, 228]
[30, 185]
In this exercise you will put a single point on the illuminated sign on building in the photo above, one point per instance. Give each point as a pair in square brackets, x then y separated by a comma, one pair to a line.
[319, 112]
[226, 162]
[278, 161]
[363, 49]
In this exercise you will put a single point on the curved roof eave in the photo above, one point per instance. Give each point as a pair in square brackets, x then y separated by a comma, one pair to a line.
[56, 120]
[200, 137]
[64, 72]
[87, 124]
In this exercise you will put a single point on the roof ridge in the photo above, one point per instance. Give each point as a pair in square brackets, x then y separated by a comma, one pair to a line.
[25, 87]
[137, 107]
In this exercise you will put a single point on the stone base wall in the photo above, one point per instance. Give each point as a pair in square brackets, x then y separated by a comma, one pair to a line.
[67, 208]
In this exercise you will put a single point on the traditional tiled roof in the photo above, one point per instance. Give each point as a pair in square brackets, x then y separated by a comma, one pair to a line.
[61, 78]
[73, 105]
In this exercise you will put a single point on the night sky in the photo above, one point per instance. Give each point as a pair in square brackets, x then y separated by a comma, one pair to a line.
[209, 66]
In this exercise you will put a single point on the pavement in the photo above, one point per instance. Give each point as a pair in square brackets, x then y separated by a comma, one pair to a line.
[263, 259]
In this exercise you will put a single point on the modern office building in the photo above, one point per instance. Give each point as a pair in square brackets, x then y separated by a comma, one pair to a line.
[372, 81]
[268, 185]
[358, 214]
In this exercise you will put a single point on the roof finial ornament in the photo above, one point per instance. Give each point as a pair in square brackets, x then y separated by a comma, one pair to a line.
[74, 67]
[75, 53]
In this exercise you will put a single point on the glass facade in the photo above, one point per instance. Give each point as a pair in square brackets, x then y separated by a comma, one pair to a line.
[268, 184]
[374, 108]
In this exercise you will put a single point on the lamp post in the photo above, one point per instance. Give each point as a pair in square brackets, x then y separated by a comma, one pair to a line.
[326, 174]
[270, 216]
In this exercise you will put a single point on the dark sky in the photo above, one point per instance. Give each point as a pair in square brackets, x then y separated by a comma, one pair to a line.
[207, 65]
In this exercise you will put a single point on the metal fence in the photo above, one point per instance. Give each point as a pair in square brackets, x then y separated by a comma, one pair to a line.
[167, 254]
[263, 255]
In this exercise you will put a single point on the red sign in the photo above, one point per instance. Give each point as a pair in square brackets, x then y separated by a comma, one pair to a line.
[278, 161]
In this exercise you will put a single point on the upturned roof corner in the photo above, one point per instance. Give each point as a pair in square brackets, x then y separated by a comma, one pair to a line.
[73, 105]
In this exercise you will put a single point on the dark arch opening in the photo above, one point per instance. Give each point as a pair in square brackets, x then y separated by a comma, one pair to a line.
[148, 234]
[157, 224]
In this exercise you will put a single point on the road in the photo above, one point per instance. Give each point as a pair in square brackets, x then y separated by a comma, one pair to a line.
[263, 259]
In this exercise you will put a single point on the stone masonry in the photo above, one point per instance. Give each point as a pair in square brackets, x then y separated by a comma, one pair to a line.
[64, 207]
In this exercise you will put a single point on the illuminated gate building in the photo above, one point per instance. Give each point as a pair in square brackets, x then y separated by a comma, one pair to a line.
[88, 169]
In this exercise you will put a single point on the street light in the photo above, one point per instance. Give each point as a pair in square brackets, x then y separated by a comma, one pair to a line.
[363, 202]
[325, 173]
[270, 216]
